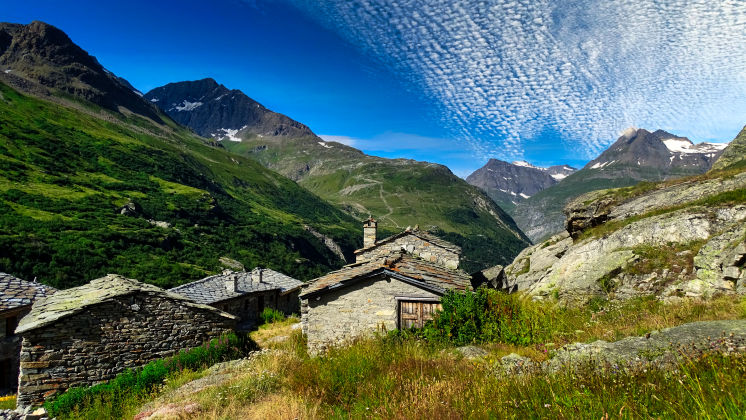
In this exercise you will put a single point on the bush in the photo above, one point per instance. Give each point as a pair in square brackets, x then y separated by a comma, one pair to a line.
[487, 316]
[147, 379]
[271, 315]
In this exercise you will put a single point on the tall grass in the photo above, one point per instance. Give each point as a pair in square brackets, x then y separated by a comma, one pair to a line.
[405, 376]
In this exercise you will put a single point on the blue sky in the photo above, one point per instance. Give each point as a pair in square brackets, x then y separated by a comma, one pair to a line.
[451, 82]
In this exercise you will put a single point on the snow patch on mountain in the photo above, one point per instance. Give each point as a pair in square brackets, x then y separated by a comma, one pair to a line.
[228, 134]
[188, 106]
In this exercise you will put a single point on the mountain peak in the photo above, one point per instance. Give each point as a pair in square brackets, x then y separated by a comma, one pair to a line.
[212, 110]
[39, 58]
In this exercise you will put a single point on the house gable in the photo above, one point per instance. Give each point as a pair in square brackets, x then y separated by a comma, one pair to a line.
[358, 309]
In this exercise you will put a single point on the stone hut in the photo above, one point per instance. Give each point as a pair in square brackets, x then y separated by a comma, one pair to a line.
[246, 294]
[414, 241]
[400, 290]
[16, 298]
[88, 334]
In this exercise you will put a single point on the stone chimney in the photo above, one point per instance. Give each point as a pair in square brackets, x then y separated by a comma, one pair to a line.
[369, 232]
[231, 282]
[256, 275]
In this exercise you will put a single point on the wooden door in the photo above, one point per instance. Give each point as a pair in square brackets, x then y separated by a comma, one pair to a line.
[414, 313]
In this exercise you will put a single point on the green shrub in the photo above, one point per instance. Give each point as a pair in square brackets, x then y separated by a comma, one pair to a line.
[271, 315]
[487, 316]
[145, 380]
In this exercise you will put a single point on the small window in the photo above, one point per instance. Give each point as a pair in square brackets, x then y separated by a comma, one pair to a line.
[415, 313]
[260, 304]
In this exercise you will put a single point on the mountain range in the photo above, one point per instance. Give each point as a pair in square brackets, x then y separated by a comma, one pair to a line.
[398, 192]
[638, 155]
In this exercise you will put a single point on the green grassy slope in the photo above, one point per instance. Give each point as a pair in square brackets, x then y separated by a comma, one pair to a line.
[65, 174]
[398, 192]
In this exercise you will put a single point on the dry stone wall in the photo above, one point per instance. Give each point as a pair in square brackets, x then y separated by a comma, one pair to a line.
[354, 311]
[416, 246]
[99, 342]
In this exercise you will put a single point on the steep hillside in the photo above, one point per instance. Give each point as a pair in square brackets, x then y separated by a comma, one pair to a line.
[511, 183]
[684, 237]
[89, 187]
[638, 155]
[398, 192]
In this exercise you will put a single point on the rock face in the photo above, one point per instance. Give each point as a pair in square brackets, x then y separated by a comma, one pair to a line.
[510, 183]
[659, 349]
[676, 239]
[638, 155]
[212, 110]
[42, 59]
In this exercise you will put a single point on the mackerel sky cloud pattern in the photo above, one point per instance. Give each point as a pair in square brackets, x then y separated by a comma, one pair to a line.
[503, 72]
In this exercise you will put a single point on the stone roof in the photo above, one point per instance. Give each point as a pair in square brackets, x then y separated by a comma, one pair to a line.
[16, 293]
[212, 289]
[402, 266]
[71, 301]
[424, 235]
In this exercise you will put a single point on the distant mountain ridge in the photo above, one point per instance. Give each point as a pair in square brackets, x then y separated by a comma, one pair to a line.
[398, 192]
[212, 110]
[638, 155]
[510, 183]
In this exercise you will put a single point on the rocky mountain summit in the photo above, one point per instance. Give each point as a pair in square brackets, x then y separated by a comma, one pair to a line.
[638, 155]
[510, 183]
[212, 110]
[40, 59]
[678, 238]
[641, 155]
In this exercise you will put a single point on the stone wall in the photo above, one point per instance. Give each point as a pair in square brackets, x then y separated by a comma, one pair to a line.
[339, 316]
[413, 245]
[102, 340]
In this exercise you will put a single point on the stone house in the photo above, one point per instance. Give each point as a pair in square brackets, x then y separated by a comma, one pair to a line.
[414, 241]
[16, 298]
[88, 334]
[246, 294]
[400, 290]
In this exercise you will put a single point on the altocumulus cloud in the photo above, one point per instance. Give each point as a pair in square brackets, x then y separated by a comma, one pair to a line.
[503, 71]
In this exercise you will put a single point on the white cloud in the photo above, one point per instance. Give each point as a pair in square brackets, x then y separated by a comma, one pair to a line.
[504, 70]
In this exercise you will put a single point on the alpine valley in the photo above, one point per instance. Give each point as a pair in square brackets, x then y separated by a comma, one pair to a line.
[397, 192]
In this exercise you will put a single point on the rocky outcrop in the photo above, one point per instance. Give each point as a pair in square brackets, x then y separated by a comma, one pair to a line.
[659, 348]
[671, 240]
